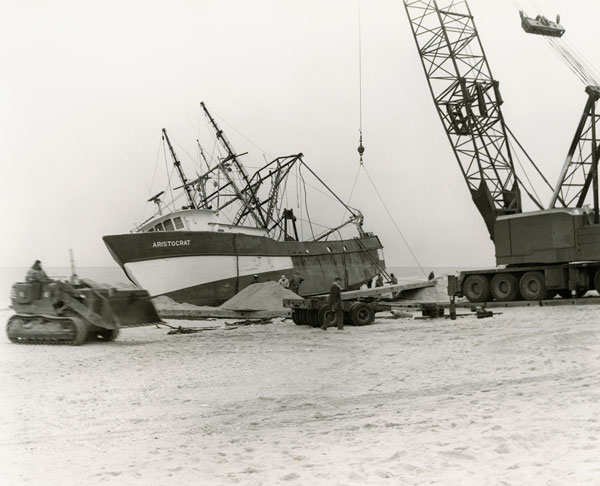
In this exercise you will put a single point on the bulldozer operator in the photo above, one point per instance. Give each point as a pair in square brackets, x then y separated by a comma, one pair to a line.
[37, 277]
[36, 273]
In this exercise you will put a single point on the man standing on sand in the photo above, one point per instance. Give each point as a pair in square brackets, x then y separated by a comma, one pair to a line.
[284, 282]
[335, 306]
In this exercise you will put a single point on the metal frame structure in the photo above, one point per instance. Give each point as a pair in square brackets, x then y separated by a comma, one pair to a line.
[468, 102]
[258, 195]
[580, 170]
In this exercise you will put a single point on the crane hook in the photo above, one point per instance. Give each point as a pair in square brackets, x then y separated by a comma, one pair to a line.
[361, 149]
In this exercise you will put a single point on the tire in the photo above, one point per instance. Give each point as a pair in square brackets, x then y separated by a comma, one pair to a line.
[533, 286]
[476, 288]
[597, 280]
[361, 314]
[504, 287]
[313, 316]
[295, 317]
[304, 318]
[107, 335]
[322, 315]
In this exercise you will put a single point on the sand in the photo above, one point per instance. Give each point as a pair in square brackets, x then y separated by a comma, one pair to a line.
[265, 296]
[437, 293]
[509, 400]
[260, 296]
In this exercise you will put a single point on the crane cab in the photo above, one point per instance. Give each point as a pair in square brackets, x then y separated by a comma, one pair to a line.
[540, 25]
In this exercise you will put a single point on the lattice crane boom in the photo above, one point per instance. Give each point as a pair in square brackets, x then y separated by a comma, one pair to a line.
[468, 102]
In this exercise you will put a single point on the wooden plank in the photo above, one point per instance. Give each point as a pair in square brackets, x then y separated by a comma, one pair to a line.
[519, 303]
[388, 289]
[199, 314]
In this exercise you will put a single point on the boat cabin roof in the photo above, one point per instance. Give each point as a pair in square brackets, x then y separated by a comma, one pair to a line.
[196, 220]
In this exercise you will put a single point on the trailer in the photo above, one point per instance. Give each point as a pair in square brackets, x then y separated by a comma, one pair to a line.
[359, 306]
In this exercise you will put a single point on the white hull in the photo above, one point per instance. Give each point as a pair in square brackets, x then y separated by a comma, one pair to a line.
[164, 275]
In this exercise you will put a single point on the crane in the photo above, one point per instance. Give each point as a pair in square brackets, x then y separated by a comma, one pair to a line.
[552, 250]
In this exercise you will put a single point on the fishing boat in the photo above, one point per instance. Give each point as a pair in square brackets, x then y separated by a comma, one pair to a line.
[234, 231]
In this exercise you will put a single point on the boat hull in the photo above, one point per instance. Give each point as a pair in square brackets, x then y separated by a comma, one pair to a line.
[208, 268]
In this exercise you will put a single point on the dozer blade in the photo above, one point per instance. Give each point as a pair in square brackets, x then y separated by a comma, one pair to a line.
[132, 308]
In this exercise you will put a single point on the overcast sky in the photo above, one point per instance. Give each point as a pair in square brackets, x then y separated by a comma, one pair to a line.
[88, 85]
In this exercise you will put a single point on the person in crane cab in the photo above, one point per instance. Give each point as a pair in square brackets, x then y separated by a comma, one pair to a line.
[36, 273]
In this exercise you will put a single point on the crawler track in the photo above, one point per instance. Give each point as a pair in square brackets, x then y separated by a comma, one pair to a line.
[43, 329]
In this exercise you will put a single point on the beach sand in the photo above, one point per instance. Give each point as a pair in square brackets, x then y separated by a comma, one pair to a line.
[508, 400]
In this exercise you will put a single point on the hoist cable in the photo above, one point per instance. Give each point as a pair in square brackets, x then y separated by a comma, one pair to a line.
[361, 148]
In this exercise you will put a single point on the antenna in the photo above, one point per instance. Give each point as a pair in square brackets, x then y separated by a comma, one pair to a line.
[156, 200]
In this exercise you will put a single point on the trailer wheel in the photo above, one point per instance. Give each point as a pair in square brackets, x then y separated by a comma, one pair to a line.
[477, 288]
[361, 314]
[313, 316]
[505, 287]
[305, 317]
[322, 316]
[533, 286]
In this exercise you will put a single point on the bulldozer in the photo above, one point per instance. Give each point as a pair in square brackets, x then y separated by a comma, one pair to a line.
[72, 311]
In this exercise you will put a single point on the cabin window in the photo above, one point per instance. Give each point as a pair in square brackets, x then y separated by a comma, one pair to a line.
[178, 222]
[150, 230]
[168, 225]
[159, 227]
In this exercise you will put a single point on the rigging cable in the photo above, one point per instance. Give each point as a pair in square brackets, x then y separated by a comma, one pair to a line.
[149, 188]
[361, 149]
[306, 204]
[393, 221]
[351, 192]
[241, 134]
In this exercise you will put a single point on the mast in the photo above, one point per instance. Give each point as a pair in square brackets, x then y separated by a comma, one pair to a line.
[177, 165]
[250, 200]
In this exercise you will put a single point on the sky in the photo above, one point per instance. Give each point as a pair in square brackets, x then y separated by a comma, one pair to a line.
[87, 87]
